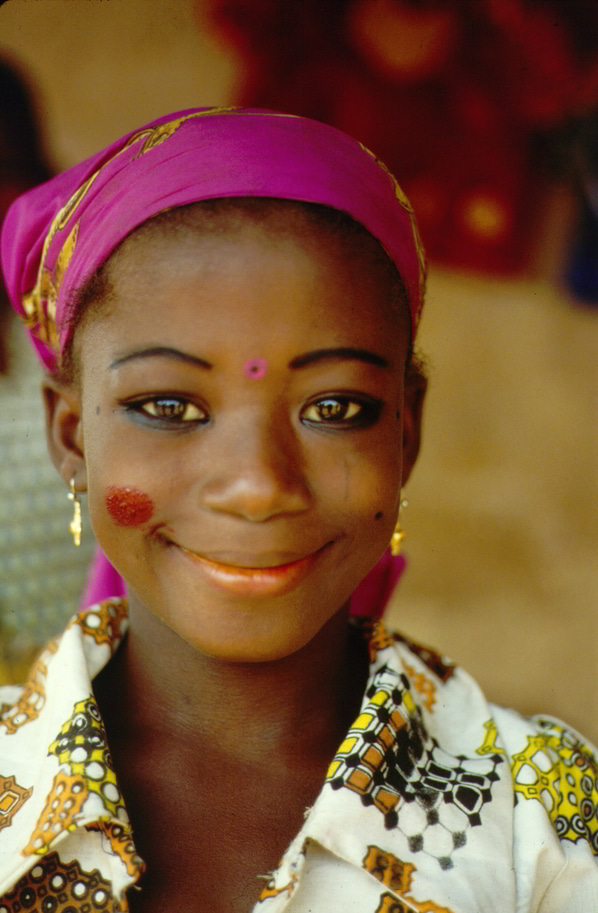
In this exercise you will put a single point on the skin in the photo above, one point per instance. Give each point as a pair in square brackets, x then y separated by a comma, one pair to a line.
[235, 688]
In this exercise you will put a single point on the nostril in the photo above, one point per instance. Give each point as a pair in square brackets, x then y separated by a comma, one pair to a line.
[244, 499]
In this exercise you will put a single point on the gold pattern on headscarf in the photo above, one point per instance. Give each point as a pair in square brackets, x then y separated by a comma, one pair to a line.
[404, 201]
[39, 305]
[46, 291]
[155, 136]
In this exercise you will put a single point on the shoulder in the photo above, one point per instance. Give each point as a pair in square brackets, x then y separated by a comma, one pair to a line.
[21, 705]
[556, 767]
[549, 763]
[66, 665]
[467, 794]
[46, 725]
[550, 769]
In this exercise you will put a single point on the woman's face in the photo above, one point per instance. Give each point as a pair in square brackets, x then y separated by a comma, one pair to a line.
[242, 424]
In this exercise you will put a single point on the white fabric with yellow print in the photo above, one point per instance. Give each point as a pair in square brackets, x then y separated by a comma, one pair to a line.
[436, 801]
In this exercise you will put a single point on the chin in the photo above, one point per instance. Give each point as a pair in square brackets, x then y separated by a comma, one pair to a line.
[241, 630]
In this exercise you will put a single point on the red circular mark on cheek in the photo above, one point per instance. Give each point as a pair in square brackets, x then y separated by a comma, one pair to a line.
[128, 506]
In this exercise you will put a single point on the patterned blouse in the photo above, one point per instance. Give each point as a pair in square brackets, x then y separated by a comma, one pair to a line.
[436, 801]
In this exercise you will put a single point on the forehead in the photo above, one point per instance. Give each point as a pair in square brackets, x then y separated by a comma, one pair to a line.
[256, 278]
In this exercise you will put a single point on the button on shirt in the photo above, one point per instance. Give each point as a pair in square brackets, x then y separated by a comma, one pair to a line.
[436, 801]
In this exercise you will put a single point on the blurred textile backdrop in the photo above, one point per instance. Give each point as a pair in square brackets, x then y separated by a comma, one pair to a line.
[487, 110]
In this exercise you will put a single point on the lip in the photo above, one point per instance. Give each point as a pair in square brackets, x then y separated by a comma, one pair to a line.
[255, 581]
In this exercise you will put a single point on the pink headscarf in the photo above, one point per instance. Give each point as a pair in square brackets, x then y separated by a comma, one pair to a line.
[56, 235]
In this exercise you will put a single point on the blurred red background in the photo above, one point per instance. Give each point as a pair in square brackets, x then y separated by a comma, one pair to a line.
[478, 105]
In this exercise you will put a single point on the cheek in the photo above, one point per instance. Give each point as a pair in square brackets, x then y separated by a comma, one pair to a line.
[363, 484]
[128, 506]
[377, 485]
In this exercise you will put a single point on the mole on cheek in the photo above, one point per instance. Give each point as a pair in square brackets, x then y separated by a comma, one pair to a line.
[128, 506]
[379, 515]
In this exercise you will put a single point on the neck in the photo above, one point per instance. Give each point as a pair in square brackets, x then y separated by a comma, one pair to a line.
[301, 704]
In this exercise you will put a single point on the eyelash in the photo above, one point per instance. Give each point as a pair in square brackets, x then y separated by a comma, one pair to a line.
[355, 411]
[344, 411]
[171, 421]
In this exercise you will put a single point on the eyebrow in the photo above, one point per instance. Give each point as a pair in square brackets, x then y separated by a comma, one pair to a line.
[161, 352]
[340, 354]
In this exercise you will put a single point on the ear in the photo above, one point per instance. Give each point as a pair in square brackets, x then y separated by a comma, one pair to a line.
[414, 395]
[64, 431]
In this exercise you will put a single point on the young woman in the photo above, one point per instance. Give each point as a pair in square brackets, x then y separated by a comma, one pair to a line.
[225, 302]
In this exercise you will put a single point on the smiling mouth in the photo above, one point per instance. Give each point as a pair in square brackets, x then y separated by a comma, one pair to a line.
[248, 581]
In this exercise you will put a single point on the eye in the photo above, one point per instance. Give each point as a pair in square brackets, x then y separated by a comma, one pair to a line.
[343, 411]
[169, 409]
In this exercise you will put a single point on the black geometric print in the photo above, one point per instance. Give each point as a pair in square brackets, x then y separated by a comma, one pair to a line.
[390, 761]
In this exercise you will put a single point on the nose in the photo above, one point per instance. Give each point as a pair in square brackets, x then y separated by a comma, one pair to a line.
[257, 470]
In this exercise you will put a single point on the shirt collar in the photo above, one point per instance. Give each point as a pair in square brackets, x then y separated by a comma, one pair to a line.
[395, 804]
[389, 759]
[57, 745]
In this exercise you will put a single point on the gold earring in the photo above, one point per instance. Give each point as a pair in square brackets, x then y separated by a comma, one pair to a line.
[397, 537]
[75, 524]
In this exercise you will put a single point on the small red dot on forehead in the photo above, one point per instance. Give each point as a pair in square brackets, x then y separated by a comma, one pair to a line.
[128, 506]
[256, 368]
